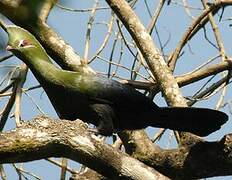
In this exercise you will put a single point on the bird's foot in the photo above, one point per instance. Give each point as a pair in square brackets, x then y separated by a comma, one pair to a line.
[94, 131]
[97, 132]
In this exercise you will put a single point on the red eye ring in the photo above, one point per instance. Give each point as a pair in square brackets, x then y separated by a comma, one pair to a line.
[23, 43]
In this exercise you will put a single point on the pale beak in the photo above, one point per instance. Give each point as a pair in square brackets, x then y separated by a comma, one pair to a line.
[9, 48]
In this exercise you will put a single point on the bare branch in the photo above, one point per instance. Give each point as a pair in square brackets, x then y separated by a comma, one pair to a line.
[44, 137]
[150, 52]
[194, 27]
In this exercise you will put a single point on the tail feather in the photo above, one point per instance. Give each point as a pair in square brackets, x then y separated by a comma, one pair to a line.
[199, 121]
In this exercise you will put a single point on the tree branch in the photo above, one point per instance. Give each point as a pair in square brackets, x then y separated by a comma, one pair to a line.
[201, 160]
[150, 52]
[152, 56]
[184, 79]
[195, 27]
[44, 137]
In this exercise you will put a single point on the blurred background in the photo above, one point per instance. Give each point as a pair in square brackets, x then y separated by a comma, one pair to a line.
[112, 53]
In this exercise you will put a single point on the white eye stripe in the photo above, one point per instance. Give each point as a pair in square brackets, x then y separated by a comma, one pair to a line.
[21, 43]
[24, 43]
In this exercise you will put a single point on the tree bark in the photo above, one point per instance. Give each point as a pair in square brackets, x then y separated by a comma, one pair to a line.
[44, 137]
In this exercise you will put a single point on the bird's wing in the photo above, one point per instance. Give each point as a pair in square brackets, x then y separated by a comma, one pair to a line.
[104, 90]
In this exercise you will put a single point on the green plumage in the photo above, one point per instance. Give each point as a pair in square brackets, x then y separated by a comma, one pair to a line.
[108, 104]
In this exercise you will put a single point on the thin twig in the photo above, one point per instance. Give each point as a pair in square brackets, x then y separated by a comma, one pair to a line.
[80, 10]
[2, 172]
[158, 135]
[149, 29]
[6, 57]
[36, 105]
[221, 50]
[187, 9]
[89, 28]
[21, 171]
[106, 39]
[60, 165]
[6, 111]
[209, 90]
[119, 59]
[121, 66]
[196, 25]
[20, 82]
[64, 164]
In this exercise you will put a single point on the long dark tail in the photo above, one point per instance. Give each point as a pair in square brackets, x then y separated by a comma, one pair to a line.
[199, 121]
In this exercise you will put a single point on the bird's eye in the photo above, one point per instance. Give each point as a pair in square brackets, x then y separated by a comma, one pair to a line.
[23, 43]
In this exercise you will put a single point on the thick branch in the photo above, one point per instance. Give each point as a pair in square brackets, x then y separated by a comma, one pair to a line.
[43, 138]
[203, 159]
[150, 52]
[199, 160]
[32, 16]
[56, 47]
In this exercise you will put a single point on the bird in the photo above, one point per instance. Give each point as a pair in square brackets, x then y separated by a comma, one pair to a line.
[107, 104]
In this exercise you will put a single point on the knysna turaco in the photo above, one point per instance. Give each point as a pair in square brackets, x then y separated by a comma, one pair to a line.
[106, 103]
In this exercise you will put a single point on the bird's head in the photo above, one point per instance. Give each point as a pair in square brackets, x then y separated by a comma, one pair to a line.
[20, 40]
[23, 44]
